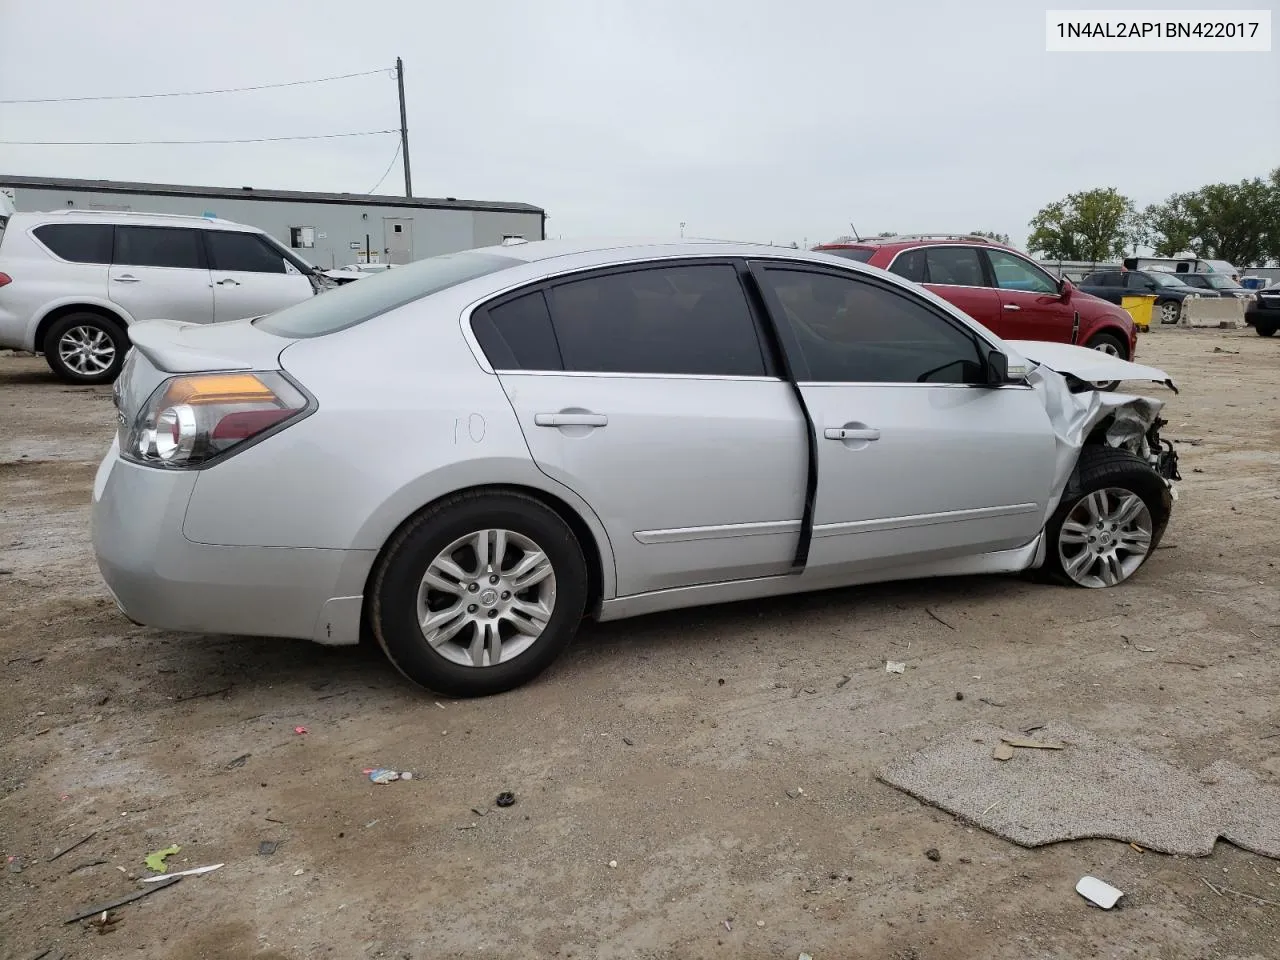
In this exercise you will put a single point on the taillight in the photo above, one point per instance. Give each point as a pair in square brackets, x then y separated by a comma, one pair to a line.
[189, 420]
[5, 278]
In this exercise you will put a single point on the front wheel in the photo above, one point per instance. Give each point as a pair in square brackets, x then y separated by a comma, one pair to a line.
[1265, 328]
[1111, 518]
[1112, 346]
[479, 594]
[85, 348]
[1170, 311]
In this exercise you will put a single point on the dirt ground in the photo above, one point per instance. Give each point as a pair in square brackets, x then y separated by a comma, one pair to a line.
[674, 745]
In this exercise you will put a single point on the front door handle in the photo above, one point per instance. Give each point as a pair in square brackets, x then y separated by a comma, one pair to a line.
[1012, 306]
[228, 280]
[570, 419]
[852, 433]
[125, 279]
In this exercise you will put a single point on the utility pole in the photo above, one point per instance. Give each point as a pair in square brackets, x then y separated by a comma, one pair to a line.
[404, 130]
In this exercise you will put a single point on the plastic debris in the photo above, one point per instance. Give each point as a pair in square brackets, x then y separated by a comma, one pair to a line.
[155, 861]
[382, 775]
[1098, 892]
[194, 871]
[613, 864]
[805, 956]
[893, 666]
[299, 730]
[299, 872]
[15, 864]
[505, 799]
[267, 847]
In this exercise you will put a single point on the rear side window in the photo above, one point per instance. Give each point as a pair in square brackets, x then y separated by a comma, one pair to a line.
[354, 303]
[242, 251]
[158, 247]
[685, 319]
[955, 266]
[910, 265]
[78, 242]
[517, 335]
[862, 255]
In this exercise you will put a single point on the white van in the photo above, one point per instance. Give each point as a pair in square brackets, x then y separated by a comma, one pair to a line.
[72, 281]
[1182, 265]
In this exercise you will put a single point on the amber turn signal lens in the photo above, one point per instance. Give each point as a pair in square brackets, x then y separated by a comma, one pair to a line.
[218, 388]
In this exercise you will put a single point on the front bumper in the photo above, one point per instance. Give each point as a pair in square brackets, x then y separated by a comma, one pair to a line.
[161, 579]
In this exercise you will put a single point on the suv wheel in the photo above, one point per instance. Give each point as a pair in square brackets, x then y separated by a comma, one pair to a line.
[85, 348]
[1265, 328]
[1112, 346]
[479, 594]
[1170, 311]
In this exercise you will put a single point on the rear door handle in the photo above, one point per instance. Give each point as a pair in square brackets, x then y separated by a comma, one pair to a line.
[125, 279]
[229, 280]
[570, 419]
[852, 433]
[1012, 306]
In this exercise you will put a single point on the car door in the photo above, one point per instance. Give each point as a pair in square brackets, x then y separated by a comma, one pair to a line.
[647, 391]
[160, 273]
[955, 273]
[1031, 303]
[251, 277]
[916, 461]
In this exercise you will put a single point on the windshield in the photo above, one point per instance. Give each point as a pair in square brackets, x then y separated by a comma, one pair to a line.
[355, 303]
[1221, 283]
[861, 254]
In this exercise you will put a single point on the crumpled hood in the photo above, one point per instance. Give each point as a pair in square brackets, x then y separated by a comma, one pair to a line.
[1086, 364]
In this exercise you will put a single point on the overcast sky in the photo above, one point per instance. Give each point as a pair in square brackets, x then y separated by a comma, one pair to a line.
[747, 119]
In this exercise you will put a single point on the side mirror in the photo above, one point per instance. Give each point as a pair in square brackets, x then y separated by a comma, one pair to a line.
[1064, 289]
[997, 369]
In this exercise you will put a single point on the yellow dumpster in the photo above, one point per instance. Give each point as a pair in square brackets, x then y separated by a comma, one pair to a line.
[1140, 309]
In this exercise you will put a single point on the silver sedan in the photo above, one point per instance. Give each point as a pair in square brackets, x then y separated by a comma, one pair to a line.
[461, 458]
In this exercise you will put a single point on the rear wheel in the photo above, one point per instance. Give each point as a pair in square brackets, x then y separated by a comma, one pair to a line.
[479, 594]
[85, 348]
[1111, 518]
[1112, 346]
[1266, 328]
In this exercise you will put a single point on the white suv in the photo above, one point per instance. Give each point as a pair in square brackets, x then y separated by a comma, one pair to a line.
[72, 281]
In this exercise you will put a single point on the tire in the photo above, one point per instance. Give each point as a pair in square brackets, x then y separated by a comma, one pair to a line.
[1081, 553]
[1113, 346]
[1266, 328]
[443, 540]
[1170, 310]
[85, 348]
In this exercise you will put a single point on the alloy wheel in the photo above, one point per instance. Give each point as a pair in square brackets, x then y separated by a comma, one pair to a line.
[1105, 538]
[1170, 311]
[486, 598]
[87, 350]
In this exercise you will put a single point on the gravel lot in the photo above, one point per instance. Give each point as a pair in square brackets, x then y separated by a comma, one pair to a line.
[675, 745]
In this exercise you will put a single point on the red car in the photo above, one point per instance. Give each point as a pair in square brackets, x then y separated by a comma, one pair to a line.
[1003, 289]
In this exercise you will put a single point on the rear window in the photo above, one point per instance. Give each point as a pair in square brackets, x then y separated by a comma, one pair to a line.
[354, 303]
[861, 254]
[78, 242]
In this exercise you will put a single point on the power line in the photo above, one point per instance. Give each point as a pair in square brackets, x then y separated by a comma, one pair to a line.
[170, 143]
[386, 171]
[197, 93]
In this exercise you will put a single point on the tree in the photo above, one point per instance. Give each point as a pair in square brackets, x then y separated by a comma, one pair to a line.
[997, 237]
[1094, 225]
[1237, 222]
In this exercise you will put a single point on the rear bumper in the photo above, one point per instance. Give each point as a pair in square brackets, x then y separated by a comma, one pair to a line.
[161, 579]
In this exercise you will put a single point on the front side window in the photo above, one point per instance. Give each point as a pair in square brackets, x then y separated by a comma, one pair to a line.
[158, 247]
[78, 242]
[244, 252]
[1014, 273]
[679, 319]
[1138, 281]
[855, 331]
[955, 266]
